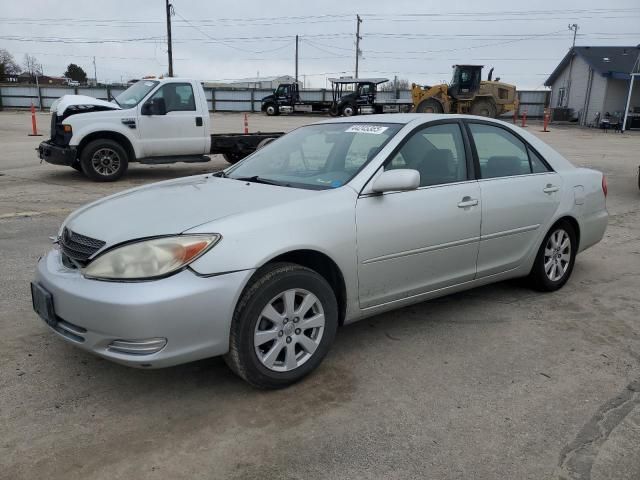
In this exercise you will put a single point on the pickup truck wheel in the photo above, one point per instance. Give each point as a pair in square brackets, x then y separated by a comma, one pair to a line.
[283, 326]
[233, 157]
[76, 166]
[104, 160]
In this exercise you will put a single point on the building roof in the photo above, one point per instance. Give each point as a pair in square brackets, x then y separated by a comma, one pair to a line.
[615, 62]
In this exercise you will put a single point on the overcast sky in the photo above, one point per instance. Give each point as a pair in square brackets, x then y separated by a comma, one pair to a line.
[216, 40]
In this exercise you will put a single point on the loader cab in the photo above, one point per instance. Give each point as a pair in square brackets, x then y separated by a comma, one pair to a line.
[465, 83]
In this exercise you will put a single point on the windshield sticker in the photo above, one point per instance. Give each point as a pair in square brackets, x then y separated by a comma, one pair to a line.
[373, 129]
[336, 184]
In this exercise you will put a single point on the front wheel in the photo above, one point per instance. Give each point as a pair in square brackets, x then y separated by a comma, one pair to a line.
[282, 327]
[430, 105]
[349, 110]
[104, 160]
[272, 110]
[555, 259]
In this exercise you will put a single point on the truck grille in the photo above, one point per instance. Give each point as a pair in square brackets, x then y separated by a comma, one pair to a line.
[78, 248]
[54, 120]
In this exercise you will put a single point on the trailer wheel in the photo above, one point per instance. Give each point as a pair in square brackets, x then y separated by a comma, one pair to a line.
[349, 110]
[483, 108]
[104, 160]
[233, 157]
[430, 105]
[272, 110]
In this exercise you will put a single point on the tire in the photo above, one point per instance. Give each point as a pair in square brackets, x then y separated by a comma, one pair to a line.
[264, 142]
[430, 105]
[284, 356]
[271, 109]
[483, 108]
[104, 160]
[549, 279]
[76, 166]
[234, 157]
[349, 110]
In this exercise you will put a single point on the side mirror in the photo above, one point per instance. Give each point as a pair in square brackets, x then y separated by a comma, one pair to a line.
[155, 106]
[397, 180]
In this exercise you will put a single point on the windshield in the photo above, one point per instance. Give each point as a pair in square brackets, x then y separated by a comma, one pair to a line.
[317, 156]
[135, 93]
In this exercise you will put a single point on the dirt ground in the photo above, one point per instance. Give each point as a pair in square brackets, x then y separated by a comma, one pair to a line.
[495, 383]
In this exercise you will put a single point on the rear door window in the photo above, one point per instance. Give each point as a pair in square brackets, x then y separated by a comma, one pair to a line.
[500, 153]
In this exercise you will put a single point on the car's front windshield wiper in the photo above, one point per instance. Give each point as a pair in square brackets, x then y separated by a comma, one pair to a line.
[220, 174]
[258, 179]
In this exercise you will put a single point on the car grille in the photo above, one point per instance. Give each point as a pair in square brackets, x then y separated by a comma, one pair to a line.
[78, 248]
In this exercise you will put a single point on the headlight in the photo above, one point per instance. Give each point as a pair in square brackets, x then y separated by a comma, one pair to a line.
[150, 258]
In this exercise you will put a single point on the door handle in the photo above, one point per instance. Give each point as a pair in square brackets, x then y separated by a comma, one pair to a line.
[550, 188]
[468, 202]
[198, 121]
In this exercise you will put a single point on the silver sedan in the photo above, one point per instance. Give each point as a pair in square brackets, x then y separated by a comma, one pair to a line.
[329, 224]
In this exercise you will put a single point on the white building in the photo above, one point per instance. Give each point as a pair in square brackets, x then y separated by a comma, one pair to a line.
[591, 80]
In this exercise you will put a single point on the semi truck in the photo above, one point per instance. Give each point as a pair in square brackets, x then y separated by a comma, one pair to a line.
[349, 96]
[155, 121]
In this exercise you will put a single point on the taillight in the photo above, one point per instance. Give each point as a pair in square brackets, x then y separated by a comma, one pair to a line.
[604, 185]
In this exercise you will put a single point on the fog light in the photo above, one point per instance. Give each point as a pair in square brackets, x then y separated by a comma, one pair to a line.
[138, 347]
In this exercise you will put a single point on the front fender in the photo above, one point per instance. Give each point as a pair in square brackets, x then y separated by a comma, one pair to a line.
[82, 130]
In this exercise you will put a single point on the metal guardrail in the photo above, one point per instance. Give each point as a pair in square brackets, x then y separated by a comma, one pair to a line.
[218, 99]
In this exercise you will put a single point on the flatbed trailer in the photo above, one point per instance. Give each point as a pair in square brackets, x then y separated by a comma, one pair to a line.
[235, 146]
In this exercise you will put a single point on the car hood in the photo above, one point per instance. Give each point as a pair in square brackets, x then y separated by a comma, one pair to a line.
[171, 207]
[87, 103]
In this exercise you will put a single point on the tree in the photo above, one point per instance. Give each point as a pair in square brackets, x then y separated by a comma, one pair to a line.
[32, 67]
[8, 65]
[75, 72]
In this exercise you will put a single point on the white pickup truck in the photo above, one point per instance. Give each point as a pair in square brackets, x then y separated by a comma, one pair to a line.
[153, 121]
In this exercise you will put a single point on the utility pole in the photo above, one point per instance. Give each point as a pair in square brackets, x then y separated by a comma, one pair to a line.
[169, 9]
[574, 27]
[296, 59]
[358, 38]
[95, 75]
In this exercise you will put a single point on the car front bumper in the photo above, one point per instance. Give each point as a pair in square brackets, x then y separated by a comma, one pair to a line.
[55, 154]
[192, 313]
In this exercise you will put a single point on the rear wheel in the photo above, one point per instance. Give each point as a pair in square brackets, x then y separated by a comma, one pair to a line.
[233, 157]
[264, 142]
[483, 108]
[104, 160]
[430, 105]
[557, 254]
[282, 327]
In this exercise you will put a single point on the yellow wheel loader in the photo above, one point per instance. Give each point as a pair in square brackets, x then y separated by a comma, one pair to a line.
[467, 93]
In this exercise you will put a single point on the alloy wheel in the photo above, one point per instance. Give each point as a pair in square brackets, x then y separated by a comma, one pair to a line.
[557, 255]
[105, 161]
[289, 330]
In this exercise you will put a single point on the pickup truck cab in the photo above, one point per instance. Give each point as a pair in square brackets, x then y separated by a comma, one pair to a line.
[153, 121]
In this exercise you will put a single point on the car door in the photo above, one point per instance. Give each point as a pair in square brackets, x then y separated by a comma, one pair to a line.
[181, 131]
[520, 194]
[421, 240]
